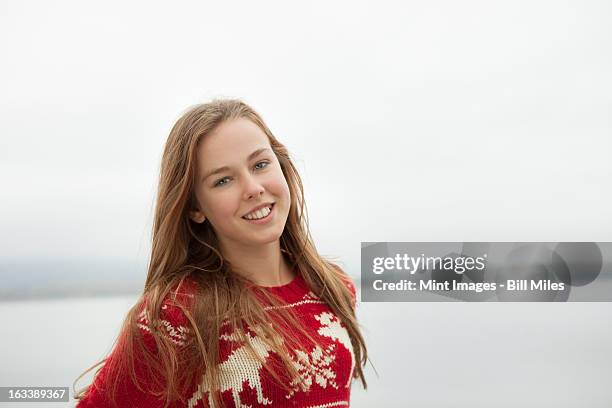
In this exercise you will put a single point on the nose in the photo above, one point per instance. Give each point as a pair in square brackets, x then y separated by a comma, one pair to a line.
[253, 188]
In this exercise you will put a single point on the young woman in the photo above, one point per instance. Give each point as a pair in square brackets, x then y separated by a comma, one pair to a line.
[238, 308]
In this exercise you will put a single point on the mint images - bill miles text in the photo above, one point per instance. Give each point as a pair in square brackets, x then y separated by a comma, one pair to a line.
[433, 285]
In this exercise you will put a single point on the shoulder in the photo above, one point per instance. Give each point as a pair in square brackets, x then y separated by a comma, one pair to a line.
[347, 280]
[126, 364]
[173, 323]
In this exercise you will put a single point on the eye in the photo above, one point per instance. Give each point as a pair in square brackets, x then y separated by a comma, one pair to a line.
[218, 182]
[261, 162]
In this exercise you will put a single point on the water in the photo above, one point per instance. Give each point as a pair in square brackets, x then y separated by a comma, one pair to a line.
[426, 354]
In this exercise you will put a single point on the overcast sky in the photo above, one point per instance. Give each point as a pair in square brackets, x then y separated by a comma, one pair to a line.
[409, 121]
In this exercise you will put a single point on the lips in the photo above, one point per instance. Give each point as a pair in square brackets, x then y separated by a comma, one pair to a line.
[259, 207]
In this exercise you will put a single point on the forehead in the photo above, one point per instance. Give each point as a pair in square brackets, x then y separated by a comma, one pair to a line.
[231, 142]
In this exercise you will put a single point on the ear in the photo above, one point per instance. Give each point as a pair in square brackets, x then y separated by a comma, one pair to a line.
[197, 216]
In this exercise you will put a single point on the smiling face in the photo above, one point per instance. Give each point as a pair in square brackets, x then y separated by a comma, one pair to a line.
[238, 171]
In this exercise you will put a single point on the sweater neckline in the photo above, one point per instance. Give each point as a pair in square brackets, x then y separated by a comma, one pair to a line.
[287, 286]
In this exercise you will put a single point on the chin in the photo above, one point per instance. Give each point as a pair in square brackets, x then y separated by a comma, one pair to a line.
[267, 239]
[264, 238]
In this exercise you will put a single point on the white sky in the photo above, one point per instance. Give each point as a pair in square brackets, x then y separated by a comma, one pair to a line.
[409, 121]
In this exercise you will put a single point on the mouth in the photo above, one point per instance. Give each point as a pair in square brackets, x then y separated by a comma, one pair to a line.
[260, 216]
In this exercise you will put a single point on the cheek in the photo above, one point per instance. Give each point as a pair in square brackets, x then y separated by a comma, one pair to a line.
[222, 208]
[280, 188]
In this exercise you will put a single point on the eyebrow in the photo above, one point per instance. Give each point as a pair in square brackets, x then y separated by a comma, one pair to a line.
[226, 168]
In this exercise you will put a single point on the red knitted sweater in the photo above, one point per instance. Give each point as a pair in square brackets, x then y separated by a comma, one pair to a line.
[326, 370]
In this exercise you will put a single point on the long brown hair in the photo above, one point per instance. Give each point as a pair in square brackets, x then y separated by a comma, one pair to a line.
[186, 250]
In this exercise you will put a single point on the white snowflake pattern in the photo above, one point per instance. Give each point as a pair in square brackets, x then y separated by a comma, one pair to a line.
[316, 367]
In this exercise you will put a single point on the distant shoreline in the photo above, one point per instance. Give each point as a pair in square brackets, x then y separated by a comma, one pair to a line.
[80, 294]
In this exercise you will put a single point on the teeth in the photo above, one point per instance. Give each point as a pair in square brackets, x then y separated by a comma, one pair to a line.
[255, 215]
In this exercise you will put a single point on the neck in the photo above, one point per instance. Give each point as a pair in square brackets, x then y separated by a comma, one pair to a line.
[264, 264]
